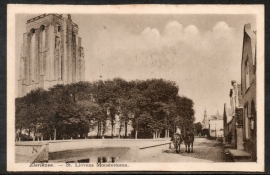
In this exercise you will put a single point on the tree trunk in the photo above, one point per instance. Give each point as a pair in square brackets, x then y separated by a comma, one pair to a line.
[168, 133]
[98, 129]
[29, 130]
[120, 130]
[112, 129]
[20, 133]
[103, 130]
[136, 131]
[34, 135]
[55, 134]
[159, 135]
[126, 123]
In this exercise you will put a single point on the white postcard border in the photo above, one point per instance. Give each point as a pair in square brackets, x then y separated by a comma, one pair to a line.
[12, 9]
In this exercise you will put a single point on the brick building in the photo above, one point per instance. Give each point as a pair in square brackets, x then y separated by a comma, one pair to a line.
[248, 89]
[51, 53]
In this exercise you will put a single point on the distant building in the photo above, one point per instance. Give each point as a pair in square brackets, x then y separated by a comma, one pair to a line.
[248, 89]
[51, 53]
[205, 122]
[216, 125]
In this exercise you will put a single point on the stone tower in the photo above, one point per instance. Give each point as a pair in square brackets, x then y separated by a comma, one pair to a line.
[205, 122]
[51, 53]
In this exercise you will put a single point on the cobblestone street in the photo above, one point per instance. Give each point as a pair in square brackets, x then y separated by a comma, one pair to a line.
[204, 150]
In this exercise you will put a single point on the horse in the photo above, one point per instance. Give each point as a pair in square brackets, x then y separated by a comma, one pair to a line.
[177, 140]
[188, 141]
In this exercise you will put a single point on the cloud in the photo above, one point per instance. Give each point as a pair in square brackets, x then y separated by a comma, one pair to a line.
[150, 37]
[191, 30]
[195, 60]
[151, 32]
[173, 30]
[152, 49]
[222, 30]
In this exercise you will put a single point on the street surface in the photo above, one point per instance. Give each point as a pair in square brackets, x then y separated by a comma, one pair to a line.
[204, 150]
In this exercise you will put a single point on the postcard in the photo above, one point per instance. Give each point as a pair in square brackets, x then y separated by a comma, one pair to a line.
[135, 88]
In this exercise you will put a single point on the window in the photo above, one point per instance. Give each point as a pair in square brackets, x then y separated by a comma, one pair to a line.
[33, 56]
[247, 74]
[246, 122]
[42, 28]
[57, 42]
[253, 114]
[61, 68]
[59, 28]
[32, 31]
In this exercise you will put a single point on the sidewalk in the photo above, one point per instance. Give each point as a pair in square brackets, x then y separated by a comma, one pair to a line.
[235, 155]
[239, 155]
[172, 157]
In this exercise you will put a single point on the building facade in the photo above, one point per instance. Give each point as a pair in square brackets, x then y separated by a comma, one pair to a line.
[51, 53]
[248, 89]
[229, 117]
[216, 126]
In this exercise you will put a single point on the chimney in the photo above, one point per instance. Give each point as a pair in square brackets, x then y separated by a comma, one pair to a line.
[247, 27]
[225, 110]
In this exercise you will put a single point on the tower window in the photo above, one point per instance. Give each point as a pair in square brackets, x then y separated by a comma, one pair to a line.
[32, 31]
[42, 28]
[59, 28]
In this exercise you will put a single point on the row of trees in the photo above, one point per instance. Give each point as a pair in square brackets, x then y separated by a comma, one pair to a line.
[64, 111]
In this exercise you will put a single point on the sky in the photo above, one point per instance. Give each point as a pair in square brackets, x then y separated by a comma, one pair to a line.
[201, 53]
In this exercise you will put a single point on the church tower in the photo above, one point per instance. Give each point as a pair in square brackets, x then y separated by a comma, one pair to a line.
[205, 122]
[51, 53]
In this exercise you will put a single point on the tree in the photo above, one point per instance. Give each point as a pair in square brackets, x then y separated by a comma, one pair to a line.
[185, 112]
[21, 121]
[72, 110]
[198, 127]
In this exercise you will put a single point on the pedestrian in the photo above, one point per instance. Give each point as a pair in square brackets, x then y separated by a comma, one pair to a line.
[230, 138]
[178, 131]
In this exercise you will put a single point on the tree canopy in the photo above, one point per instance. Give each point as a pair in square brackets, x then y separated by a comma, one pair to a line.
[64, 111]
